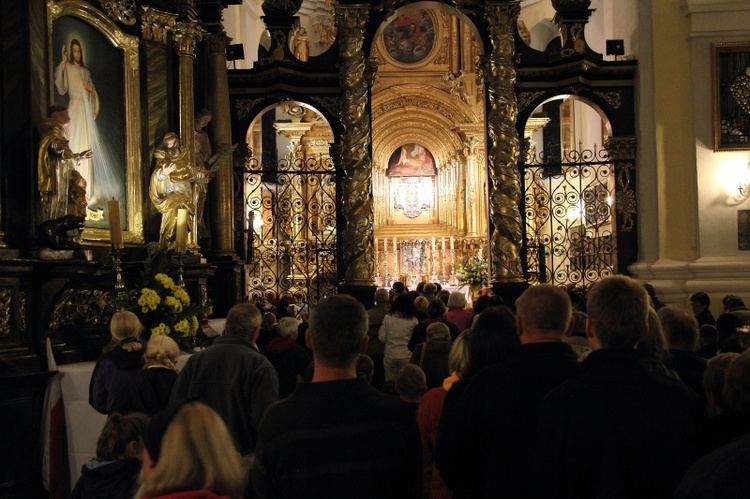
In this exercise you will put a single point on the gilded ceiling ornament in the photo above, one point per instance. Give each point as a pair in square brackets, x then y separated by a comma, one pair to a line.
[186, 37]
[120, 10]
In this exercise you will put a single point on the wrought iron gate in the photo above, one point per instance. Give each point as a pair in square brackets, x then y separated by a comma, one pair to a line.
[570, 220]
[289, 210]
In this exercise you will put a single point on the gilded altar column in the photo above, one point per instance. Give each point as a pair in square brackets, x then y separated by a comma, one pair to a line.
[221, 187]
[356, 76]
[499, 75]
[186, 36]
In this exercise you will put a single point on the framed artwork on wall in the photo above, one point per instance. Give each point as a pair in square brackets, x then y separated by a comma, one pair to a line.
[731, 96]
[93, 71]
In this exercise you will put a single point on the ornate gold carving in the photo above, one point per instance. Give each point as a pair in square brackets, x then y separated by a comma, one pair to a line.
[357, 205]
[371, 71]
[244, 106]
[186, 37]
[133, 233]
[82, 307]
[5, 303]
[155, 24]
[499, 74]
[526, 98]
[622, 153]
[330, 104]
[614, 99]
[22, 309]
[217, 42]
[120, 10]
[442, 57]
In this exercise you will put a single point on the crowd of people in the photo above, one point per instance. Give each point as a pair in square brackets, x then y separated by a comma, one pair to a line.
[612, 394]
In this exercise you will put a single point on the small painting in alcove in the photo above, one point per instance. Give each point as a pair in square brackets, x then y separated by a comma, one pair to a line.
[411, 160]
[410, 37]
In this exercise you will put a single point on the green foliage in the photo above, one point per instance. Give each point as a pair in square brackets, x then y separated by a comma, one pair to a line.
[473, 272]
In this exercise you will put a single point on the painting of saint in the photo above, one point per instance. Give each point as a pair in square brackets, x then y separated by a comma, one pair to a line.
[88, 79]
[410, 37]
[411, 160]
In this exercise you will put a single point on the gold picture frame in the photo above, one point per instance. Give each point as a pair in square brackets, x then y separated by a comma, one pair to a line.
[731, 96]
[114, 69]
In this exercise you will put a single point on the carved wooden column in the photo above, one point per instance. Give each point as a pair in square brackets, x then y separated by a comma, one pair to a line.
[186, 37]
[356, 151]
[499, 75]
[221, 127]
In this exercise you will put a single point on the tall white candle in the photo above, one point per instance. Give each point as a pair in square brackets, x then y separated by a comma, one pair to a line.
[451, 242]
[442, 243]
[433, 244]
[181, 233]
[395, 245]
[115, 224]
[376, 244]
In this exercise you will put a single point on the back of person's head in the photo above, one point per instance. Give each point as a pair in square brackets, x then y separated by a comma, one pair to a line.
[701, 298]
[732, 303]
[365, 367]
[435, 308]
[438, 287]
[736, 392]
[381, 295]
[411, 383]
[414, 294]
[420, 288]
[444, 295]
[715, 376]
[617, 309]
[579, 324]
[242, 320]
[268, 320]
[456, 300]
[126, 328]
[493, 338]
[403, 306]
[652, 344]
[398, 287]
[420, 304]
[120, 436]
[189, 448]
[438, 331]
[458, 358]
[544, 309]
[161, 350]
[726, 325]
[287, 327]
[709, 334]
[680, 329]
[430, 288]
[337, 326]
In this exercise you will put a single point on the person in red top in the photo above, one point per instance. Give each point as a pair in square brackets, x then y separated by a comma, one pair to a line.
[457, 312]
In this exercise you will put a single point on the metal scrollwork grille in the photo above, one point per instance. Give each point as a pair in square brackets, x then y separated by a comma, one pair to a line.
[290, 214]
[570, 218]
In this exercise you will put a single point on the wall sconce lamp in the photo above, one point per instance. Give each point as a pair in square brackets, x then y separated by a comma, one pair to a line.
[744, 188]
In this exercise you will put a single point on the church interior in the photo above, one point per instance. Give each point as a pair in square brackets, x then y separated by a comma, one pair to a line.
[337, 146]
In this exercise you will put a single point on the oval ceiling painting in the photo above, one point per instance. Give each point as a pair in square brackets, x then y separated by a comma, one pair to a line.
[410, 37]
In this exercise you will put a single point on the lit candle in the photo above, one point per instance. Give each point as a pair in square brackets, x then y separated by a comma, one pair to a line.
[442, 243]
[181, 236]
[433, 244]
[451, 242]
[376, 244]
[395, 245]
[115, 224]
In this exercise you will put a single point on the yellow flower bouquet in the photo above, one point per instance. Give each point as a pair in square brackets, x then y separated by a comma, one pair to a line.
[165, 308]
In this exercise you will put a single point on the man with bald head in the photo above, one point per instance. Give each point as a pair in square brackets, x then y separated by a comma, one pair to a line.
[488, 438]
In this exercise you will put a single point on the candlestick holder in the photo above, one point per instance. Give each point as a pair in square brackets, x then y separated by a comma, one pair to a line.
[433, 277]
[443, 277]
[180, 278]
[454, 278]
[377, 267]
[120, 290]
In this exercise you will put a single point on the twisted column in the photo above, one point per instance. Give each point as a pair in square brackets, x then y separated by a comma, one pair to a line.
[356, 75]
[499, 75]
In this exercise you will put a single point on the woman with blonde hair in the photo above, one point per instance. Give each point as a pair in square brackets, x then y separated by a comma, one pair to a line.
[188, 454]
[118, 364]
[149, 391]
[457, 312]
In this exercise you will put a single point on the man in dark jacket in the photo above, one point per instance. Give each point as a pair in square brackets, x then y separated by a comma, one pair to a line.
[616, 430]
[486, 446]
[338, 436]
[233, 377]
[681, 331]
[289, 359]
